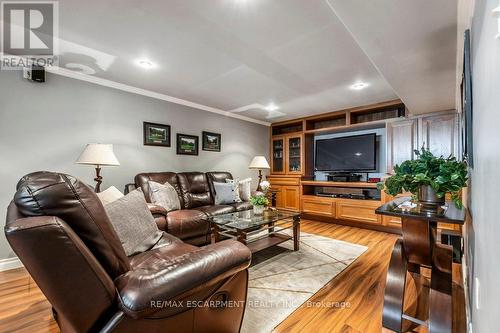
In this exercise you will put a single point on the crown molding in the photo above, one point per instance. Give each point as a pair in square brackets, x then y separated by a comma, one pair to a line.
[148, 93]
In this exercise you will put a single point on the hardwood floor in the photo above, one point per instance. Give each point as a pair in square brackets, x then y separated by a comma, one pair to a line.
[23, 308]
[361, 286]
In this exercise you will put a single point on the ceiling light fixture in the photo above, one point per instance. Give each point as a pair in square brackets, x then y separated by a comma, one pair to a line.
[359, 85]
[272, 107]
[144, 63]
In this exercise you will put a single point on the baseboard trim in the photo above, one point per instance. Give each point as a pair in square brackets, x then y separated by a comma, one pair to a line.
[10, 263]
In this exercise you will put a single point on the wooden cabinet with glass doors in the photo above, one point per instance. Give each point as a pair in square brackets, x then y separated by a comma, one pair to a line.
[287, 155]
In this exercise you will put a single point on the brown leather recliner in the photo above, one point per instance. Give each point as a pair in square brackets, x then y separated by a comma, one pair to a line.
[196, 195]
[61, 233]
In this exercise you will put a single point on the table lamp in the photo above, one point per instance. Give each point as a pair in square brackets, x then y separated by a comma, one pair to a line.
[99, 155]
[259, 163]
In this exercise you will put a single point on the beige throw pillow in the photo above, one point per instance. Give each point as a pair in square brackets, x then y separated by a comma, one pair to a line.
[236, 184]
[109, 195]
[245, 189]
[133, 222]
[164, 195]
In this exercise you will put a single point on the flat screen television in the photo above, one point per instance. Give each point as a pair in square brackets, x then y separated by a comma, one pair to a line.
[348, 153]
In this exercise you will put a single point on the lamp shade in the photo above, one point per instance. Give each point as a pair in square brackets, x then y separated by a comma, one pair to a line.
[98, 154]
[259, 162]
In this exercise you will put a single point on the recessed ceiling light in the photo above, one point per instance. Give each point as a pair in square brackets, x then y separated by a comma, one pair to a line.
[144, 63]
[272, 107]
[359, 85]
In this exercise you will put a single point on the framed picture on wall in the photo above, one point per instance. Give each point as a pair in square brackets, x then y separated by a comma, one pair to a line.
[211, 141]
[466, 90]
[156, 134]
[187, 144]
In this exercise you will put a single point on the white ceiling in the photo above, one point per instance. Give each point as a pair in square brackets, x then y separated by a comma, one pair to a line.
[241, 55]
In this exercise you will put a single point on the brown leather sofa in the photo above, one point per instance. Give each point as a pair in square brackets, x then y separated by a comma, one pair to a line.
[196, 194]
[61, 233]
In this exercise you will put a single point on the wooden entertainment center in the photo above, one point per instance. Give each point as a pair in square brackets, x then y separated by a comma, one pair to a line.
[292, 161]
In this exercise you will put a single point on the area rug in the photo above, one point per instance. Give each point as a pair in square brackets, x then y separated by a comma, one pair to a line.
[281, 279]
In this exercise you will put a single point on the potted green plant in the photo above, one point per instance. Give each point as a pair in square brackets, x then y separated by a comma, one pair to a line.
[428, 178]
[259, 202]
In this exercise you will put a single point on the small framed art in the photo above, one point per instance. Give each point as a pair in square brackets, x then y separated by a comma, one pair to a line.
[211, 141]
[187, 144]
[156, 134]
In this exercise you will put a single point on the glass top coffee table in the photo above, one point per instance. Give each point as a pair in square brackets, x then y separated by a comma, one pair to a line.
[258, 232]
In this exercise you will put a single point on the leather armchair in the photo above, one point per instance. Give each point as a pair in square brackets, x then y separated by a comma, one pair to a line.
[60, 231]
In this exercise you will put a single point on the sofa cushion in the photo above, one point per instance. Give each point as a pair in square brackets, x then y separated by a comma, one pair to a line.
[133, 223]
[142, 181]
[168, 248]
[195, 190]
[218, 177]
[213, 210]
[164, 195]
[241, 206]
[226, 193]
[187, 223]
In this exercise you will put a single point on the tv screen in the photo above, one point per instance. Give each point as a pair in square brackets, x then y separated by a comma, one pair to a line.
[349, 153]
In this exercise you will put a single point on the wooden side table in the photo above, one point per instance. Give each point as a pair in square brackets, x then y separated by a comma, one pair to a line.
[417, 248]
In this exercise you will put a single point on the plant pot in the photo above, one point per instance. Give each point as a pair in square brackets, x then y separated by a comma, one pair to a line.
[258, 210]
[428, 199]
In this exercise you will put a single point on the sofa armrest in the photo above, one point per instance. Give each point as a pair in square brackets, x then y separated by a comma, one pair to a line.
[160, 215]
[129, 188]
[179, 278]
[155, 209]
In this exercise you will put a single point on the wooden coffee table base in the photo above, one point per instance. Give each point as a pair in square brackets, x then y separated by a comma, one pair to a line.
[271, 239]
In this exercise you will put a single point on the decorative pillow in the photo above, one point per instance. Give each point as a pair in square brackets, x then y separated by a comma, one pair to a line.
[245, 189]
[109, 195]
[226, 193]
[133, 222]
[236, 184]
[164, 195]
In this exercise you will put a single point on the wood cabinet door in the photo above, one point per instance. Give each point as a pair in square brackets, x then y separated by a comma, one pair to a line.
[278, 192]
[439, 134]
[279, 195]
[354, 210]
[318, 206]
[294, 153]
[291, 197]
[392, 221]
[402, 140]
[278, 152]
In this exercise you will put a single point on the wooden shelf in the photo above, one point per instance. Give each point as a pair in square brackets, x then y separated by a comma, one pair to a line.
[266, 242]
[338, 184]
[295, 126]
[382, 113]
[348, 128]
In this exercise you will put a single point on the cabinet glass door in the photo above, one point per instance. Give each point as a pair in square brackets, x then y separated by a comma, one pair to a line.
[294, 154]
[278, 155]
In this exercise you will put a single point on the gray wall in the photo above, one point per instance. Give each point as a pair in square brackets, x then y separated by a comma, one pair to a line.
[484, 239]
[46, 126]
